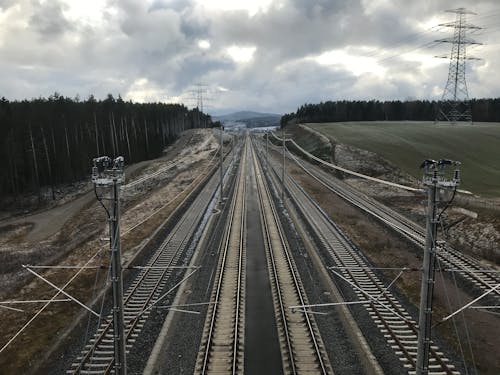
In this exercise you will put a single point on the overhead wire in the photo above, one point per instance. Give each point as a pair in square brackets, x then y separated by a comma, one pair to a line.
[94, 294]
[468, 340]
[446, 292]
[402, 41]
[106, 281]
[384, 57]
[450, 307]
[103, 299]
[78, 272]
[462, 313]
[412, 37]
[99, 320]
[28, 323]
[366, 177]
[171, 200]
[466, 326]
[99, 199]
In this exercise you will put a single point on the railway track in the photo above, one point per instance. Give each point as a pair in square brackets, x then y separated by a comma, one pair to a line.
[393, 321]
[97, 357]
[222, 344]
[301, 345]
[169, 165]
[221, 350]
[141, 180]
[468, 268]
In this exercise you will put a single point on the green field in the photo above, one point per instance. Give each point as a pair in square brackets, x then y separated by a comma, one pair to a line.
[407, 144]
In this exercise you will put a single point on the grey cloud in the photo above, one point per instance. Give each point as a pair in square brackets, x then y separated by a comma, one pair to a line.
[158, 41]
[177, 5]
[48, 19]
[295, 30]
[298, 82]
[148, 39]
[6, 4]
[314, 9]
[193, 68]
[193, 26]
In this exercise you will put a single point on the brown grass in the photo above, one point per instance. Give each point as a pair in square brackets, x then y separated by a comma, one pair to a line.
[83, 231]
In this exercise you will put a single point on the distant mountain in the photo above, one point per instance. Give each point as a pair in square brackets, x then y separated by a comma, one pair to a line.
[249, 119]
[243, 115]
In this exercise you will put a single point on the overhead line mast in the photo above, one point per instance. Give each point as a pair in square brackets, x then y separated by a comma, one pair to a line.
[436, 182]
[109, 173]
[455, 105]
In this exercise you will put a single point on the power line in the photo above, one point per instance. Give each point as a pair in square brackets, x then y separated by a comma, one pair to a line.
[201, 89]
[455, 105]
[200, 95]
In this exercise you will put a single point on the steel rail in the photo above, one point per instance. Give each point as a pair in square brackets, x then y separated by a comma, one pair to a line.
[271, 223]
[149, 275]
[97, 356]
[171, 164]
[399, 329]
[360, 278]
[222, 295]
[471, 270]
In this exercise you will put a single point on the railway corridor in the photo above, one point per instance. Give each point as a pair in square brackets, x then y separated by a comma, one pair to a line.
[391, 318]
[261, 341]
[249, 327]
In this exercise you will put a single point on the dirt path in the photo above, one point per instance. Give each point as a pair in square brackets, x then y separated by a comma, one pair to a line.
[81, 225]
[47, 223]
[43, 224]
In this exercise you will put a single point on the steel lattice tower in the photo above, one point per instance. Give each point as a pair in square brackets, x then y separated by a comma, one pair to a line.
[200, 95]
[200, 90]
[455, 105]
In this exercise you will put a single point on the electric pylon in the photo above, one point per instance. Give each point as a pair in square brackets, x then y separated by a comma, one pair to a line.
[200, 90]
[455, 105]
[200, 96]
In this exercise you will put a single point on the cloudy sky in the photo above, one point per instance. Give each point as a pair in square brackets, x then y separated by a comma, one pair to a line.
[265, 55]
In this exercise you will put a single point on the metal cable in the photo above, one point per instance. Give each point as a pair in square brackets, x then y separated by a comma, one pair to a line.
[393, 184]
[94, 288]
[450, 307]
[467, 335]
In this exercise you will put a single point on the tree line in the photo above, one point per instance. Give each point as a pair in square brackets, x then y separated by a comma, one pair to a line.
[487, 110]
[50, 141]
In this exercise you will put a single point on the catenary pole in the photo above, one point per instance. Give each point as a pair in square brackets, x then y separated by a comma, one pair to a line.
[109, 173]
[434, 181]
[283, 171]
[117, 282]
[427, 287]
[221, 163]
[267, 149]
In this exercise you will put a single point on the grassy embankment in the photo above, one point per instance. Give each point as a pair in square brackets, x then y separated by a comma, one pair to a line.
[407, 144]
